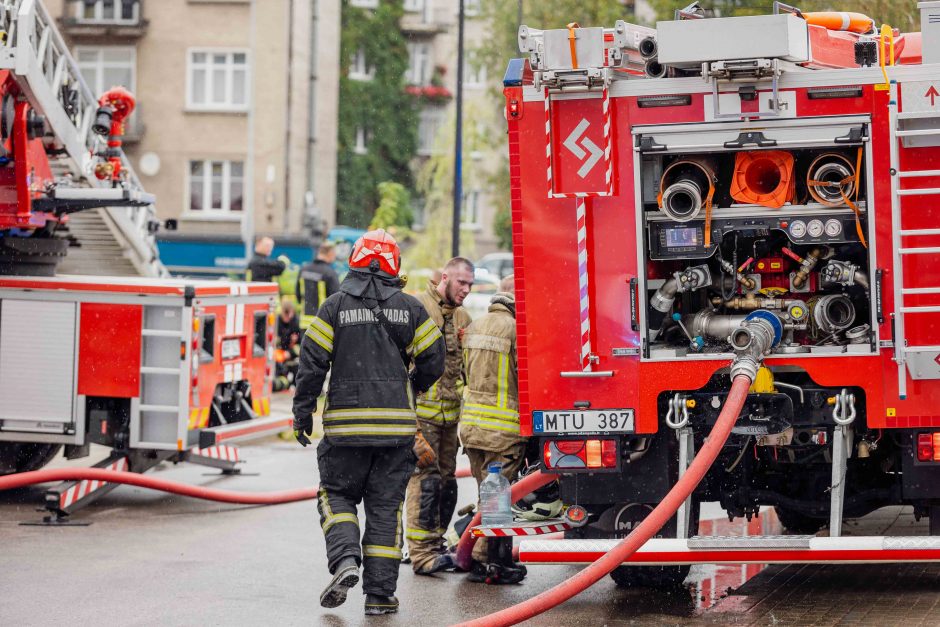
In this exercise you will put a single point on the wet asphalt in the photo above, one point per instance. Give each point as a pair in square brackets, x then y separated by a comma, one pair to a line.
[153, 559]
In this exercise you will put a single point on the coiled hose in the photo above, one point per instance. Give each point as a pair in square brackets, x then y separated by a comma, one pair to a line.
[643, 532]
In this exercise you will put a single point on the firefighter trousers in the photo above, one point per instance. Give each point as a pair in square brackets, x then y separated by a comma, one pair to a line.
[480, 460]
[378, 476]
[432, 494]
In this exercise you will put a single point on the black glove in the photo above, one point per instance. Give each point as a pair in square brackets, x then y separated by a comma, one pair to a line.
[303, 426]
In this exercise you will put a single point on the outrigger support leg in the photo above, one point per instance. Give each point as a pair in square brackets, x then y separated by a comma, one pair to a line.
[678, 419]
[221, 456]
[69, 496]
[843, 413]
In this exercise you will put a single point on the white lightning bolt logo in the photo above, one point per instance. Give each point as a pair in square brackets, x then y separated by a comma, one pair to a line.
[572, 144]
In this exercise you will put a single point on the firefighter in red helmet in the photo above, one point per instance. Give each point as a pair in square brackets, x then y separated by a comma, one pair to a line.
[366, 335]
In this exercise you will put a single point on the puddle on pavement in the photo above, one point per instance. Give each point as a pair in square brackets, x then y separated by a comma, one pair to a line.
[711, 582]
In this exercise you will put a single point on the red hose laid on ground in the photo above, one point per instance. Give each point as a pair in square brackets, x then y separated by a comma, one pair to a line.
[131, 478]
[528, 484]
[643, 532]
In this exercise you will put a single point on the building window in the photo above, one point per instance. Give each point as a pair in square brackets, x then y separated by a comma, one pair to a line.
[419, 63]
[362, 141]
[107, 67]
[471, 8]
[429, 123]
[218, 80]
[470, 211]
[216, 187]
[107, 11]
[359, 69]
[365, 4]
[414, 5]
[474, 72]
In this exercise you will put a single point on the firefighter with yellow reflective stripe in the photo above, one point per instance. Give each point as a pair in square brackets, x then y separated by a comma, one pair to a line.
[489, 423]
[316, 281]
[366, 335]
[432, 491]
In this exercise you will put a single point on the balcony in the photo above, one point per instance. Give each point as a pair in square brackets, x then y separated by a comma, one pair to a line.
[112, 19]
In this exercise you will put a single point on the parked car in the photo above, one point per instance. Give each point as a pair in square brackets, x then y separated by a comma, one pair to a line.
[478, 300]
[498, 265]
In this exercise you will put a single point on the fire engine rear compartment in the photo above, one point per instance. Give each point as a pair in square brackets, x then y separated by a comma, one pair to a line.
[710, 259]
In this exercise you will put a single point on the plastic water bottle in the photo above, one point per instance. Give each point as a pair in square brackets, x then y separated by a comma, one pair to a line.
[495, 497]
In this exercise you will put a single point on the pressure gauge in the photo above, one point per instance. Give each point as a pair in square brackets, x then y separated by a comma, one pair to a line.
[797, 229]
[833, 228]
[815, 228]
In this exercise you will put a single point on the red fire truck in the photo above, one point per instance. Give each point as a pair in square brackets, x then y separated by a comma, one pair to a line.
[156, 369]
[670, 184]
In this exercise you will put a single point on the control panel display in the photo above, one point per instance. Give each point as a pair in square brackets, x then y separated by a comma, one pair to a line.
[682, 237]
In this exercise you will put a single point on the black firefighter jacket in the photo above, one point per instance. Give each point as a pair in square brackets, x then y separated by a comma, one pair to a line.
[371, 394]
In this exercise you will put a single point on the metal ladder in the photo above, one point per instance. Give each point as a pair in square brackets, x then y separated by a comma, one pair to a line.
[33, 49]
[900, 251]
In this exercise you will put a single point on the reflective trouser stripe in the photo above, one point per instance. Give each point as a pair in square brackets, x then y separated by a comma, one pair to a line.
[335, 519]
[374, 550]
[421, 534]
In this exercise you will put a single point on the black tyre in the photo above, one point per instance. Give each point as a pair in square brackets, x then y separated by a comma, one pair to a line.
[658, 577]
[23, 457]
[797, 522]
[934, 513]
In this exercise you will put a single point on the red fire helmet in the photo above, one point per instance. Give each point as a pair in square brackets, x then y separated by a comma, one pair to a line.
[376, 246]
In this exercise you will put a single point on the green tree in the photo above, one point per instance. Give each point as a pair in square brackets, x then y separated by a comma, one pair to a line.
[394, 207]
[436, 184]
[376, 110]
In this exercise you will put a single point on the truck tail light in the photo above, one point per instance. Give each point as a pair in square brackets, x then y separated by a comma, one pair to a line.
[928, 447]
[580, 454]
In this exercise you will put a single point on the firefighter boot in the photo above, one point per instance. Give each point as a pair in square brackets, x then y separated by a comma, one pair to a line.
[444, 561]
[499, 568]
[346, 576]
[376, 605]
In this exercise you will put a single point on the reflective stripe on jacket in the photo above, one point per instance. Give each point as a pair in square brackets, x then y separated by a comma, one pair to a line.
[490, 417]
[370, 400]
[443, 399]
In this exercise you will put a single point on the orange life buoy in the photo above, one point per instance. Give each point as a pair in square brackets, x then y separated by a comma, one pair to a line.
[841, 20]
[763, 177]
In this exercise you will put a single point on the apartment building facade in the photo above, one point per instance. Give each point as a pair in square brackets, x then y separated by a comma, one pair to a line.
[237, 100]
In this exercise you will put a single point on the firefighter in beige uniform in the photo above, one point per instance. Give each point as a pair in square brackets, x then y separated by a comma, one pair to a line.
[432, 490]
[489, 422]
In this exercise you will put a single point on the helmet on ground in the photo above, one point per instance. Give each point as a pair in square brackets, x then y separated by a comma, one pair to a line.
[376, 250]
[542, 504]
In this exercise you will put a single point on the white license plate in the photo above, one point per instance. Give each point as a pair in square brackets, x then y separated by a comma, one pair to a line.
[231, 349]
[583, 421]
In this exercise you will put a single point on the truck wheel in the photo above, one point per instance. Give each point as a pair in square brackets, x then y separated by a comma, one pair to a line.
[798, 522]
[934, 528]
[23, 457]
[657, 577]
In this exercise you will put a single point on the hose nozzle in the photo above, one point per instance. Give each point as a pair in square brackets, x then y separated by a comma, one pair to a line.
[753, 340]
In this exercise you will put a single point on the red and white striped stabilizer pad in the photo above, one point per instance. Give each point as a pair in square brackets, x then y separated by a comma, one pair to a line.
[522, 529]
[743, 550]
[83, 488]
[227, 453]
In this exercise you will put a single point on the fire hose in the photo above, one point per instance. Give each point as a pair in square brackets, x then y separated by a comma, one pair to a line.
[142, 481]
[23, 479]
[751, 342]
[643, 532]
